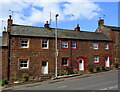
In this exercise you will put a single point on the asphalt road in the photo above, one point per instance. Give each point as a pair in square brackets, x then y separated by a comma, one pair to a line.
[103, 81]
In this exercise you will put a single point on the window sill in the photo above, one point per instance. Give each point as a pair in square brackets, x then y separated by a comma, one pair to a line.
[23, 68]
[65, 65]
[96, 62]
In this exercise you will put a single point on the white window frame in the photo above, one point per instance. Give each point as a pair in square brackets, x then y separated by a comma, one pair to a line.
[45, 44]
[73, 45]
[106, 46]
[23, 63]
[64, 44]
[95, 45]
[24, 44]
[96, 59]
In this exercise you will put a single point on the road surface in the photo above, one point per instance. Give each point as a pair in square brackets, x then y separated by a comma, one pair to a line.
[102, 81]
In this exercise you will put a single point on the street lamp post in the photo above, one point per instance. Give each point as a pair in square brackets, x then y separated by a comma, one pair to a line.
[56, 47]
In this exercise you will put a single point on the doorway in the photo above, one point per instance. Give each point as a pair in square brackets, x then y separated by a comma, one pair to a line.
[81, 64]
[44, 67]
[107, 61]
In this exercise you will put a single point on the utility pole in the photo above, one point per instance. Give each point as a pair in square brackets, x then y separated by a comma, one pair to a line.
[56, 47]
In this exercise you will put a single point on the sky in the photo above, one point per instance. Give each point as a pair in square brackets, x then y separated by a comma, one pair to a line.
[71, 12]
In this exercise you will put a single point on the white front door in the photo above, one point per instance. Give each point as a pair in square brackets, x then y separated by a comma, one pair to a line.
[45, 67]
[81, 64]
[107, 61]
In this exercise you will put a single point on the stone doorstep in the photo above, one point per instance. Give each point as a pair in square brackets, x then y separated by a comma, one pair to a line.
[66, 76]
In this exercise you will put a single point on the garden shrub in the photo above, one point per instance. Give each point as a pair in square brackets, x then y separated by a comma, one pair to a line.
[25, 76]
[66, 72]
[75, 71]
[90, 69]
[103, 68]
[3, 82]
[98, 68]
[60, 72]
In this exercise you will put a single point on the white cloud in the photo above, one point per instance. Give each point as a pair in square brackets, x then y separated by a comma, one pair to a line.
[39, 10]
[81, 9]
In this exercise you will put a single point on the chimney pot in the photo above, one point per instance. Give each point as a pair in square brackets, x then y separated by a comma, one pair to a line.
[100, 22]
[10, 22]
[77, 28]
[46, 22]
[46, 25]
[10, 17]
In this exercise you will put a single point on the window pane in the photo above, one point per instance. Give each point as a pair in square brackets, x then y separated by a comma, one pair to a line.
[64, 44]
[95, 45]
[44, 43]
[106, 46]
[96, 59]
[23, 63]
[24, 43]
[64, 61]
[73, 44]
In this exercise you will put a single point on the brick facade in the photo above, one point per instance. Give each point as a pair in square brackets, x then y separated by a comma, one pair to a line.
[36, 54]
[4, 63]
[112, 33]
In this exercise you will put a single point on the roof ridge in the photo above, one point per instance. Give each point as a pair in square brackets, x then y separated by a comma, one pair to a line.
[111, 26]
[51, 28]
[26, 26]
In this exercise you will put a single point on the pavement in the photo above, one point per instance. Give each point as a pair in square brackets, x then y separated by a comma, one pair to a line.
[60, 79]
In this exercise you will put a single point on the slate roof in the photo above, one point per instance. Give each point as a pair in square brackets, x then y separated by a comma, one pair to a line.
[22, 30]
[3, 41]
[114, 28]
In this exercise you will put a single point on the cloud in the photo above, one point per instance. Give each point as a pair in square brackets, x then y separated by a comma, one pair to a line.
[86, 10]
[31, 12]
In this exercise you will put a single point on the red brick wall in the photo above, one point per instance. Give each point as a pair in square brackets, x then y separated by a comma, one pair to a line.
[4, 63]
[85, 49]
[0, 62]
[115, 37]
[35, 55]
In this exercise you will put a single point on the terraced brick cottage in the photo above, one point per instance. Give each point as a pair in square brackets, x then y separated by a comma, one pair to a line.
[29, 49]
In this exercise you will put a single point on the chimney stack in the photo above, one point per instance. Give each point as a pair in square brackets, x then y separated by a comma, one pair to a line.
[10, 22]
[46, 25]
[77, 28]
[100, 22]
